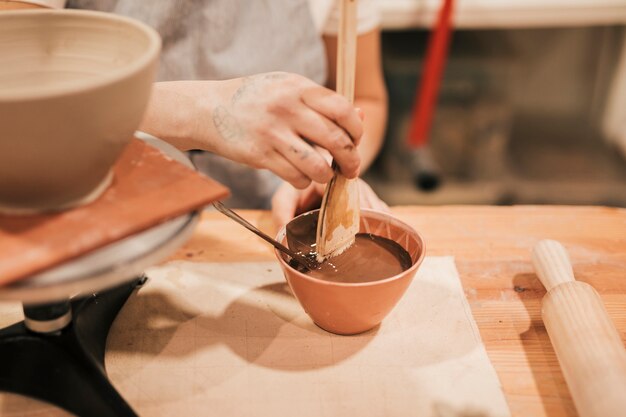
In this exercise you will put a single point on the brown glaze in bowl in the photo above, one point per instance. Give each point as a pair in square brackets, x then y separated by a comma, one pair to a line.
[73, 88]
[350, 308]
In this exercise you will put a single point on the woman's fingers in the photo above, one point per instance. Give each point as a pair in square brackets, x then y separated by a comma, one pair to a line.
[284, 204]
[336, 108]
[318, 129]
[287, 171]
[278, 117]
[302, 155]
[338, 127]
[288, 202]
[310, 198]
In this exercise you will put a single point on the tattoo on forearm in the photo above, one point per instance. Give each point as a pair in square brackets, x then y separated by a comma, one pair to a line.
[274, 76]
[226, 124]
[246, 85]
[251, 84]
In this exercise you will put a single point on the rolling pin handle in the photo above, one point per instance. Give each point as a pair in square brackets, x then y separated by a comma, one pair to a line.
[552, 263]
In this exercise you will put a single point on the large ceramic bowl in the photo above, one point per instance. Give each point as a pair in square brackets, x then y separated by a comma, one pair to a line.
[350, 308]
[73, 88]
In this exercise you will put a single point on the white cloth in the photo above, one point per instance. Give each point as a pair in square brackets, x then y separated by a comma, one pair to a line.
[228, 339]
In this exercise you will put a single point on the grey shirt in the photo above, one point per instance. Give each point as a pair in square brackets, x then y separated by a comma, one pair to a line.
[221, 39]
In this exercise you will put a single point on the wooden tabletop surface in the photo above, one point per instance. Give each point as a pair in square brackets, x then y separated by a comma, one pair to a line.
[491, 246]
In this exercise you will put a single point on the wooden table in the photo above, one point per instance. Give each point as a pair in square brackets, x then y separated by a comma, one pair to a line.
[492, 250]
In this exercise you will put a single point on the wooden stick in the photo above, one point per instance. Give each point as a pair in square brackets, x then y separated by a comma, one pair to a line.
[346, 49]
[589, 348]
[340, 213]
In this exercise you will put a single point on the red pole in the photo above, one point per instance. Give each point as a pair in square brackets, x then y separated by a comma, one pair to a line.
[434, 65]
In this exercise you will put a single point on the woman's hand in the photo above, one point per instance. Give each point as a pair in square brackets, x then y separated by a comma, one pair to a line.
[271, 121]
[288, 202]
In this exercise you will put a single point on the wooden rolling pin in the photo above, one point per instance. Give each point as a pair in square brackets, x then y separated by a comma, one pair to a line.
[587, 345]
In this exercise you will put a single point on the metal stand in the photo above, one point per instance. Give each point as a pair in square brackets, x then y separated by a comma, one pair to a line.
[57, 353]
[65, 365]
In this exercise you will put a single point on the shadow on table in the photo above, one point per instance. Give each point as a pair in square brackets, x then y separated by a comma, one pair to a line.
[264, 326]
[539, 352]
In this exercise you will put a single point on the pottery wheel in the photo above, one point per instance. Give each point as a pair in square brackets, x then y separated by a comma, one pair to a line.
[112, 264]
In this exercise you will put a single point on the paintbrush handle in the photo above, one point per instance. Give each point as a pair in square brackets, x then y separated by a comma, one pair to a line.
[339, 214]
[346, 49]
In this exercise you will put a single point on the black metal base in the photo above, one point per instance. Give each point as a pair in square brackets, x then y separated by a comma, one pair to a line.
[66, 368]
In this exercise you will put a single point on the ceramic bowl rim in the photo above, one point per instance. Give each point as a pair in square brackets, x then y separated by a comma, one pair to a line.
[409, 272]
[138, 63]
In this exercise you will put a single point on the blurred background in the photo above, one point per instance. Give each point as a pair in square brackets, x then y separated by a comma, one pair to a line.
[531, 108]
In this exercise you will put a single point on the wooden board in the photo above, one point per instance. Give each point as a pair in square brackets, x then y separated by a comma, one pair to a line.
[148, 188]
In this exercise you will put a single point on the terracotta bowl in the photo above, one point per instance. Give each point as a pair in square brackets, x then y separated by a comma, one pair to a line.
[73, 88]
[350, 308]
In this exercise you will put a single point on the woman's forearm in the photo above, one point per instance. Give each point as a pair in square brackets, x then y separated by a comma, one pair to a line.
[261, 121]
[374, 123]
[174, 115]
